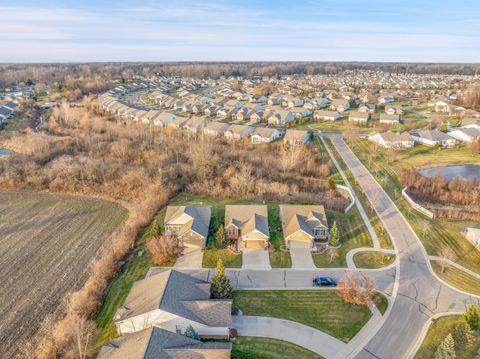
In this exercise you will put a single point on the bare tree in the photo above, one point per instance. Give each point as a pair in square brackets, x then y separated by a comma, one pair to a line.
[446, 255]
[164, 248]
[356, 289]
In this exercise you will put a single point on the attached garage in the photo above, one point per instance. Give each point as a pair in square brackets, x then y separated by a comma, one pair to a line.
[299, 244]
[252, 243]
[191, 240]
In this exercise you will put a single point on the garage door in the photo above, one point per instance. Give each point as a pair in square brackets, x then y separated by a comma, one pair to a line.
[254, 244]
[192, 242]
[299, 244]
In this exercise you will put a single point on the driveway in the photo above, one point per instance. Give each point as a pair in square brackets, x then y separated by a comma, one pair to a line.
[191, 258]
[255, 258]
[301, 258]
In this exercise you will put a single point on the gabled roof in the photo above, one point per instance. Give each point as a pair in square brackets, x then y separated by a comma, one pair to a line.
[248, 218]
[195, 218]
[177, 293]
[264, 131]
[302, 218]
[431, 135]
[292, 134]
[157, 343]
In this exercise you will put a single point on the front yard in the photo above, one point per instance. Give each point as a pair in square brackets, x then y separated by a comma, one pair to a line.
[263, 348]
[373, 260]
[320, 309]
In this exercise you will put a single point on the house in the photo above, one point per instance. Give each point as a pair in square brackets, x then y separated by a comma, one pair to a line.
[390, 119]
[431, 138]
[247, 225]
[340, 105]
[304, 225]
[326, 115]
[356, 116]
[295, 102]
[177, 122]
[195, 125]
[189, 223]
[265, 135]
[298, 137]
[393, 140]
[465, 134]
[237, 132]
[369, 108]
[386, 99]
[172, 300]
[471, 123]
[441, 106]
[473, 235]
[392, 110]
[280, 117]
[215, 128]
[158, 343]
[10, 105]
[5, 114]
[166, 118]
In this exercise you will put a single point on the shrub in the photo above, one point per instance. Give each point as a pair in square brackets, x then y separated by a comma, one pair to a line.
[356, 289]
[164, 249]
[472, 317]
[191, 333]
[446, 349]
[221, 287]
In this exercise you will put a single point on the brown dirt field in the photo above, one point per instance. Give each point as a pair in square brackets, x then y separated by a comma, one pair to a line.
[46, 244]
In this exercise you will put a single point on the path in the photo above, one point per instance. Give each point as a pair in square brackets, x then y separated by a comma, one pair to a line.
[456, 265]
[420, 294]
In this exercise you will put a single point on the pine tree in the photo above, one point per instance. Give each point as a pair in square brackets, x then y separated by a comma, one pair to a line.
[191, 333]
[334, 235]
[220, 238]
[472, 317]
[463, 336]
[221, 287]
[446, 349]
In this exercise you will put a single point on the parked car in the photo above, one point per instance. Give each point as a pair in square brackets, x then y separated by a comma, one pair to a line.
[324, 282]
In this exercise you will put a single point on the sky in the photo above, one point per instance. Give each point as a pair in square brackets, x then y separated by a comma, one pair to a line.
[261, 30]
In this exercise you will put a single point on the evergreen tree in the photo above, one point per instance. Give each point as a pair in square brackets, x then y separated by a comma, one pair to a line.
[191, 333]
[463, 336]
[221, 287]
[472, 317]
[446, 349]
[220, 238]
[334, 235]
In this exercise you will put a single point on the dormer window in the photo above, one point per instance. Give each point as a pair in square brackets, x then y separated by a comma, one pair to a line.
[317, 232]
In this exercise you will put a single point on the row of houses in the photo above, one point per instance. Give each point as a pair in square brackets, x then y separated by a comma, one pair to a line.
[6, 111]
[246, 226]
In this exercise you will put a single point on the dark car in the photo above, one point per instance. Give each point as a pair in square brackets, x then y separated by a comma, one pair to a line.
[324, 282]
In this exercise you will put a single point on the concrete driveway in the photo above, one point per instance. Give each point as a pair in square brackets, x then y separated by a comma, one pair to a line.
[255, 258]
[301, 258]
[191, 258]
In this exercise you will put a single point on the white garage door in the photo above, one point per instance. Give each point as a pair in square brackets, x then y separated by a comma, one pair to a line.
[299, 244]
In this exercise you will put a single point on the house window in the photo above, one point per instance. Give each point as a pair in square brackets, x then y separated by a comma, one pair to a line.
[231, 231]
[317, 232]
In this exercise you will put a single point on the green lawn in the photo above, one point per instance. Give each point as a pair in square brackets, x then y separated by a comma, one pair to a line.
[371, 260]
[263, 348]
[212, 255]
[438, 330]
[320, 309]
[458, 278]
[434, 233]
[381, 302]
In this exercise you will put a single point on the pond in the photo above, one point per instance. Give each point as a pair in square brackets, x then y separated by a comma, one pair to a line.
[450, 172]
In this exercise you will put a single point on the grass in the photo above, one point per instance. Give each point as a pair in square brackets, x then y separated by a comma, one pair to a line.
[434, 233]
[438, 330]
[459, 279]
[263, 348]
[320, 309]
[212, 255]
[381, 303]
[372, 260]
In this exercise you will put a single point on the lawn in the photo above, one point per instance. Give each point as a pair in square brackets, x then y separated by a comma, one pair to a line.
[434, 233]
[263, 348]
[458, 278]
[320, 309]
[372, 260]
[438, 330]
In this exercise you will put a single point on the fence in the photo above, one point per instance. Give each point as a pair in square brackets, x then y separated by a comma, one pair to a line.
[415, 205]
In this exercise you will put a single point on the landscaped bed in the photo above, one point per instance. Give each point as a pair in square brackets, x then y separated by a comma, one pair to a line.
[263, 348]
[372, 259]
[459, 279]
[320, 309]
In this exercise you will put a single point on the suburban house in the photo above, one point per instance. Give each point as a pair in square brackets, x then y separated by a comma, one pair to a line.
[247, 225]
[389, 119]
[189, 223]
[237, 132]
[465, 134]
[432, 138]
[370, 108]
[393, 140]
[441, 106]
[177, 122]
[473, 235]
[164, 118]
[386, 99]
[215, 128]
[392, 110]
[304, 225]
[326, 115]
[265, 135]
[471, 123]
[195, 125]
[280, 117]
[298, 137]
[340, 105]
[156, 343]
[356, 116]
[173, 300]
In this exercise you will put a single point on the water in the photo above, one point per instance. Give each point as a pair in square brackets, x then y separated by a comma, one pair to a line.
[4, 152]
[450, 172]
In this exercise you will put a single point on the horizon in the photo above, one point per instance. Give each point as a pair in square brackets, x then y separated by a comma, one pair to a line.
[217, 31]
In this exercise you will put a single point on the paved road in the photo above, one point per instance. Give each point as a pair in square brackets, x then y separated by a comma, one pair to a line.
[420, 294]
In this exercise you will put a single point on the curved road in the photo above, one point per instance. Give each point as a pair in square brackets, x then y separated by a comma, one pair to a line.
[420, 294]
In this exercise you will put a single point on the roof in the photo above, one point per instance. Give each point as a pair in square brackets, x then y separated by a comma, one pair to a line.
[326, 113]
[217, 126]
[264, 131]
[302, 217]
[291, 134]
[248, 218]
[431, 135]
[195, 218]
[239, 129]
[177, 293]
[157, 343]
[389, 118]
[390, 136]
[357, 114]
